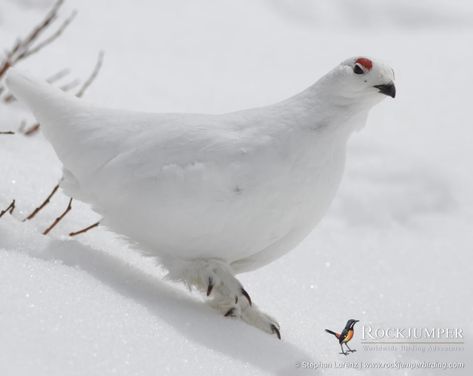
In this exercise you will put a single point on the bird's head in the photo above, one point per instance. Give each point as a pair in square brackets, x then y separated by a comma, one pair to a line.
[361, 80]
[351, 323]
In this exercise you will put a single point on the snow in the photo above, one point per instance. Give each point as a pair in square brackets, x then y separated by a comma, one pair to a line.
[395, 248]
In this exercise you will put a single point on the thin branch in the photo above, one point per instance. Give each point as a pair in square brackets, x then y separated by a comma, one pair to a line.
[8, 98]
[7, 132]
[9, 209]
[23, 48]
[58, 75]
[71, 85]
[92, 76]
[52, 37]
[31, 129]
[4, 67]
[84, 229]
[58, 219]
[45, 202]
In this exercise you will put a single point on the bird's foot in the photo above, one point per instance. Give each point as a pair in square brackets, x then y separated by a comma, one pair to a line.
[253, 316]
[344, 353]
[212, 277]
[247, 313]
[216, 280]
[352, 350]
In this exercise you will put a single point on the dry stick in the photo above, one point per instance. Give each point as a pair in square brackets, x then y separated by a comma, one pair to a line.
[70, 85]
[92, 76]
[21, 48]
[84, 229]
[8, 98]
[52, 37]
[24, 48]
[45, 202]
[31, 129]
[58, 219]
[9, 209]
[7, 132]
[58, 75]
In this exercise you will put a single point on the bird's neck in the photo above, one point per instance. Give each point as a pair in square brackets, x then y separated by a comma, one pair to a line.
[320, 109]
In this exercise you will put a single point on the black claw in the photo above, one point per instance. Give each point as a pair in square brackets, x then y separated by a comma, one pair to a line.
[246, 295]
[236, 299]
[274, 329]
[210, 286]
[230, 312]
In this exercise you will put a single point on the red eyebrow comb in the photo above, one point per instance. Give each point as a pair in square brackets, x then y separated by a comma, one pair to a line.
[366, 63]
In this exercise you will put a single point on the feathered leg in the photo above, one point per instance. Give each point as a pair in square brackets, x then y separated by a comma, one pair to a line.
[215, 278]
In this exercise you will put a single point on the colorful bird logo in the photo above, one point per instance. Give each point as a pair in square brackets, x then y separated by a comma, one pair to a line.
[345, 336]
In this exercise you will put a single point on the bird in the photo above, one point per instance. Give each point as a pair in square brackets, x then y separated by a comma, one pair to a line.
[211, 196]
[345, 336]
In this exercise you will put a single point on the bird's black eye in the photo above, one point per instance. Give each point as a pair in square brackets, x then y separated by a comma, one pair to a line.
[358, 70]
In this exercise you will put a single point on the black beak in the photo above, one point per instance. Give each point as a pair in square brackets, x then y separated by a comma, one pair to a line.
[387, 89]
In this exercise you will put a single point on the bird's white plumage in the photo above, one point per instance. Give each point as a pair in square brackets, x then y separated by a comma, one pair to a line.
[242, 188]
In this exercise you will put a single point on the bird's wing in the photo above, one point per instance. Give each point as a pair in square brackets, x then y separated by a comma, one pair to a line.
[348, 336]
[186, 182]
[344, 333]
[166, 150]
[172, 181]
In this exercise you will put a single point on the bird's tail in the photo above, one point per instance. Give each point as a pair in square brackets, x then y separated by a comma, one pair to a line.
[331, 332]
[60, 114]
[49, 104]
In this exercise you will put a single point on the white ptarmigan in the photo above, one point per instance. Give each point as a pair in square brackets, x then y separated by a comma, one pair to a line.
[211, 195]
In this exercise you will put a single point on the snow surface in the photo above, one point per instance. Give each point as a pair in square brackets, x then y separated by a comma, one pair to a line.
[395, 248]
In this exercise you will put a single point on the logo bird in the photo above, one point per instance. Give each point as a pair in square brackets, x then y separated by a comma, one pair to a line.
[345, 336]
[211, 196]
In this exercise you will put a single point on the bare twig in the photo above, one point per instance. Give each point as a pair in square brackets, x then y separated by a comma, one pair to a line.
[52, 37]
[8, 98]
[57, 76]
[9, 209]
[31, 129]
[92, 76]
[58, 219]
[23, 48]
[70, 85]
[7, 132]
[45, 202]
[84, 229]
